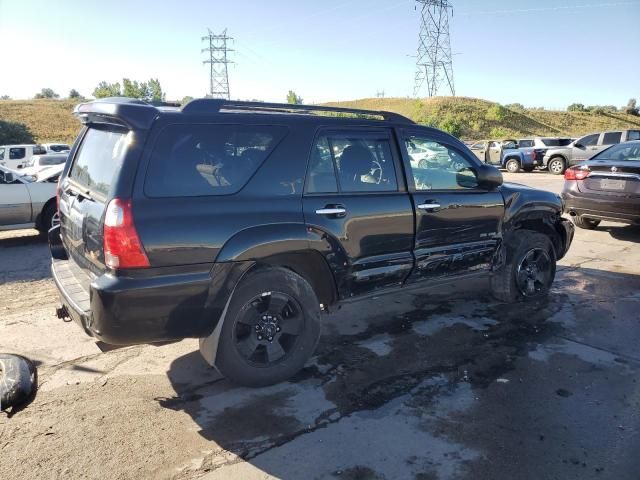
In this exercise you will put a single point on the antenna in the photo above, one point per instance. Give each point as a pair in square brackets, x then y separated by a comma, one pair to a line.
[433, 62]
[218, 61]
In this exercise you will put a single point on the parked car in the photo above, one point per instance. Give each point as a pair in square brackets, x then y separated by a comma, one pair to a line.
[229, 223]
[40, 162]
[558, 159]
[607, 187]
[25, 203]
[16, 157]
[56, 147]
[506, 154]
[543, 142]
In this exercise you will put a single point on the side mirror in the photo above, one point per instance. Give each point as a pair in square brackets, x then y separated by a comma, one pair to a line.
[488, 177]
[578, 145]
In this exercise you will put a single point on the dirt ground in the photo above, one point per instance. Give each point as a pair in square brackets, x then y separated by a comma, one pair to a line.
[436, 384]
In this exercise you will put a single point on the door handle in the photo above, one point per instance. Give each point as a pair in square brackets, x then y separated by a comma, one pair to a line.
[428, 206]
[331, 211]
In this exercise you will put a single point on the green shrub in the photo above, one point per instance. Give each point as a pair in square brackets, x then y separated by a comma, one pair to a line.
[496, 113]
[498, 133]
[14, 132]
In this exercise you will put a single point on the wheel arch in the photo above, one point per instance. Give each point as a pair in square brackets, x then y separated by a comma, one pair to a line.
[48, 203]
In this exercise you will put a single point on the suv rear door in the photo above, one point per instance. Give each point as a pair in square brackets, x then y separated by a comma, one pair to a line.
[457, 224]
[84, 194]
[356, 205]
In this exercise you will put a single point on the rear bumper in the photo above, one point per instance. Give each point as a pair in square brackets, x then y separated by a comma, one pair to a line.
[126, 311]
[620, 209]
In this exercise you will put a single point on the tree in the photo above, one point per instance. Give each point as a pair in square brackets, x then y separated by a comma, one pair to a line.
[293, 99]
[73, 93]
[631, 107]
[576, 107]
[154, 90]
[186, 100]
[47, 93]
[516, 107]
[5, 97]
[133, 89]
[14, 132]
[105, 89]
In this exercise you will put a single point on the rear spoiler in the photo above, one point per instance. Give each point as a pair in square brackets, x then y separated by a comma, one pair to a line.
[117, 111]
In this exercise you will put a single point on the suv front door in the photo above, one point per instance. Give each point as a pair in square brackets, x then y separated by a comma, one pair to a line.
[357, 210]
[457, 223]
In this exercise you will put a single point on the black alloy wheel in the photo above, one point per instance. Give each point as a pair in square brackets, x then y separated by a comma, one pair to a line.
[534, 273]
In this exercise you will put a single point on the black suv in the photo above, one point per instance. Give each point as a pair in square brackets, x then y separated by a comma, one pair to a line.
[240, 222]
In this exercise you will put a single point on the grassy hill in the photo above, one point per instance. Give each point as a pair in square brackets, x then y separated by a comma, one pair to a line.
[469, 118]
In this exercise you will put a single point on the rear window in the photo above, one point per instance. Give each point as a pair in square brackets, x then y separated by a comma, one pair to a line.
[98, 160]
[201, 160]
[53, 160]
[556, 142]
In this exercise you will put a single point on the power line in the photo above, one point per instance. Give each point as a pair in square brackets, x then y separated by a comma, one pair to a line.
[218, 61]
[433, 62]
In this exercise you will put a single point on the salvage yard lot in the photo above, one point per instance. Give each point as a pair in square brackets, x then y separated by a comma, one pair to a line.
[445, 385]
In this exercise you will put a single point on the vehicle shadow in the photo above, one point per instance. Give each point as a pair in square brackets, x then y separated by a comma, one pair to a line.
[627, 233]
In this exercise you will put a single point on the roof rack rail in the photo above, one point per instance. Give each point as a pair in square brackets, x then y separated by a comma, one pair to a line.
[213, 105]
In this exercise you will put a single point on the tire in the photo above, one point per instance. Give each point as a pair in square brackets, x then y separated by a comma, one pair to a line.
[529, 168]
[423, 164]
[557, 165]
[512, 165]
[47, 218]
[513, 281]
[586, 223]
[271, 329]
[17, 380]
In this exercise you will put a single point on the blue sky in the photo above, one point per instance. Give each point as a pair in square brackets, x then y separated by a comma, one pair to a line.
[540, 53]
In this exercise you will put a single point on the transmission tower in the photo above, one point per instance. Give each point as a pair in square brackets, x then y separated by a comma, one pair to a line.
[218, 61]
[433, 63]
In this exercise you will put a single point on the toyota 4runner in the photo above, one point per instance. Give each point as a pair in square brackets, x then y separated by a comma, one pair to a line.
[240, 222]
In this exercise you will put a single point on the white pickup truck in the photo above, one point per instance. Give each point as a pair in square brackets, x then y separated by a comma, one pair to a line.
[25, 203]
[16, 156]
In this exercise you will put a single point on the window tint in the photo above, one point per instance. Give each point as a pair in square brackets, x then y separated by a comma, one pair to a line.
[322, 175]
[59, 148]
[556, 142]
[364, 163]
[631, 135]
[98, 159]
[39, 150]
[196, 160]
[17, 153]
[611, 138]
[443, 169]
[589, 140]
[525, 143]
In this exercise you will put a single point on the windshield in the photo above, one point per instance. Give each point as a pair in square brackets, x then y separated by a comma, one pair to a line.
[621, 152]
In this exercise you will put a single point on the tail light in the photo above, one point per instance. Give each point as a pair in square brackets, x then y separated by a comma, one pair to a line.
[577, 173]
[122, 245]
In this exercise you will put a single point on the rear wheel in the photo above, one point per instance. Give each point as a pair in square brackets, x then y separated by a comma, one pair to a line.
[512, 165]
[528, 268]
[586, 223]
[48, 218]
[271, 329]
[557, 165]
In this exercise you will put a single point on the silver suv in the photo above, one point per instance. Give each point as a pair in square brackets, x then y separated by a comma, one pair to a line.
[557, 160]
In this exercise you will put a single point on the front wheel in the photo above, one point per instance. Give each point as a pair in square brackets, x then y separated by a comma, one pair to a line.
[528, 267]
[271, 329]
[557, 165]
[512, 166]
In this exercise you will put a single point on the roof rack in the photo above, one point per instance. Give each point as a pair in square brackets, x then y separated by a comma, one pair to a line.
[213, 105]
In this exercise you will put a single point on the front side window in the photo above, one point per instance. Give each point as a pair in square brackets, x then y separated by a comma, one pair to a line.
[201, 160]
[525, 143]
[631, 135]
[446, 169]
[359, 162]
[589, 140]
[17, 153]
[611, 138]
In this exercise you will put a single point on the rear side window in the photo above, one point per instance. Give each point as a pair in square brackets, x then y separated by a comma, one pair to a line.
[17, 153]
[631, 135]
[200, 160]
[525, 143]
[611, 138]
[98, 160]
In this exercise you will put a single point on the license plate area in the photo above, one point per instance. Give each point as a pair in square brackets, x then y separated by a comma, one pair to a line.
[612, 184]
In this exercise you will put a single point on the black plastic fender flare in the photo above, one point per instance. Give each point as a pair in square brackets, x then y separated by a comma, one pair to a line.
[17, 380]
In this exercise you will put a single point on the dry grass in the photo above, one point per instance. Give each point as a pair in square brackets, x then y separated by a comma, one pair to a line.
[471, 113]
[51, 120]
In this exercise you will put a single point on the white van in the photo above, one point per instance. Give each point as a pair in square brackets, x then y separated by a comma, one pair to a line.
[17, 156]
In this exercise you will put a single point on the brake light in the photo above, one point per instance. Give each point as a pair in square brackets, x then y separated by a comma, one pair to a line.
[122, 245]
[577, 173]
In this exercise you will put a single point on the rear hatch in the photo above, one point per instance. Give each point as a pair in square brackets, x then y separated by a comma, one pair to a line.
[85, 192]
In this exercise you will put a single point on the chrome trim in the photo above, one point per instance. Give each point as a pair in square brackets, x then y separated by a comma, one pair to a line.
[428, 206]
[598, 173]
[331, 211]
